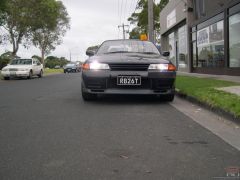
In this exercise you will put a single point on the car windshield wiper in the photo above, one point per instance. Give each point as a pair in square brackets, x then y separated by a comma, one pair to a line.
[149, 53]
[116, 52]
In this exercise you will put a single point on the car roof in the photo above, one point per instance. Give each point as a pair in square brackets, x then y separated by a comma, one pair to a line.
[138, 40]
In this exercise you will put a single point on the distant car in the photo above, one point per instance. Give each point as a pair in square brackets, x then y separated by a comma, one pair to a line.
[128, 67]
[23, 68]
[71, 67]
[57, 67]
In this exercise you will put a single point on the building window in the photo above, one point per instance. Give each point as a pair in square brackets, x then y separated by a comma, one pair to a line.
[182, 48]
[234, 40]
[210, 44]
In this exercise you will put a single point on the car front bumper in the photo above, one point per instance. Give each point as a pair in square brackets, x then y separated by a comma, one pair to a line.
[15, 73]
[70, 70]
[105, 82]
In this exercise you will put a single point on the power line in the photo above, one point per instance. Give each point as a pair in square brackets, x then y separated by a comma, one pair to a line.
[121, 11]
[130, 7]
[125, 11]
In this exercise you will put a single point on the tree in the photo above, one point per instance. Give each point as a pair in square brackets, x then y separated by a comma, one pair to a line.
[15, 21]
[2, 9]
[51, 25]
[37, 57]
[93, 48]
[140, 19]
[52, 61]
[5, 58]
[135, 33]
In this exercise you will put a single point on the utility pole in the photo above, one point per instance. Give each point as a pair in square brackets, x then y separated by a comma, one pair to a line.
[124, 31]
[150, 21]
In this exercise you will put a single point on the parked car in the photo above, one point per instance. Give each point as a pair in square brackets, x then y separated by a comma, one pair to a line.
[71, 67]
[57, 67]
[128, 67]
[23, 68]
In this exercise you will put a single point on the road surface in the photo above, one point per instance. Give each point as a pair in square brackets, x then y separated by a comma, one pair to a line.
[48, 132]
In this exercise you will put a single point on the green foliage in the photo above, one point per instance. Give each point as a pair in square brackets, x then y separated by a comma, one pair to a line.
[52, 71]
[2, 10]
[42, 22]
[135, 33]
[52, 22]
[52, 61]
[5, 58]
[140, 19]
[37, 57]
[204, 90]
[93, 48]
[16, 22]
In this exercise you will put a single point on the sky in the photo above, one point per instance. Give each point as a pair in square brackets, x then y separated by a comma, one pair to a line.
[92, 22]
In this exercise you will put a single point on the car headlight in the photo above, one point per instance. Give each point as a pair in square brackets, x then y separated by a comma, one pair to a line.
[95, 66]
[5, 69]
[162, 67]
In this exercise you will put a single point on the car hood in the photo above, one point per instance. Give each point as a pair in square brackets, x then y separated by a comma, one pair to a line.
[18, 66]
[129, 58]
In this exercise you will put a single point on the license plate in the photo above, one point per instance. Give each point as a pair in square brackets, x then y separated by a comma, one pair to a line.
[129, 80]
[12, 73]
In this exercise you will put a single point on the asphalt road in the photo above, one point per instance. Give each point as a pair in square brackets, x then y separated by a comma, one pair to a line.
[47, 132]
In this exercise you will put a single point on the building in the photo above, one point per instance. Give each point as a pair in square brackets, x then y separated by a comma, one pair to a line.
[203, 36]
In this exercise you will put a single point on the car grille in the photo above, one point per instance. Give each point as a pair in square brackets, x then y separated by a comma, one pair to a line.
[13, 69]
[129, 67]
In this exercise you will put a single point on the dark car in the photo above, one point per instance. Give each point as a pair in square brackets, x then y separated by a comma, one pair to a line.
[128, 67]
[71, 67]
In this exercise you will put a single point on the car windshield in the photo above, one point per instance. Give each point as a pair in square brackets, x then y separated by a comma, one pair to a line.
[127, 46]
[70, 65]
[21, 62]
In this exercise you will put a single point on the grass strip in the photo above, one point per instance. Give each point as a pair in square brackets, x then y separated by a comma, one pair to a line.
[52, 71]
[203, 89]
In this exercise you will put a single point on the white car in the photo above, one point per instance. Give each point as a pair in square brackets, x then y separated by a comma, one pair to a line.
[22, 68]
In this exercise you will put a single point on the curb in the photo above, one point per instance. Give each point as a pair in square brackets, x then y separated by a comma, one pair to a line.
[219, 111]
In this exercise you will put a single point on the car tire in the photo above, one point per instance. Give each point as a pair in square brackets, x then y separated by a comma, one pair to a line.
[40, 74]
[87, 96]
[169, 97]
[6, 78]
[30, 74]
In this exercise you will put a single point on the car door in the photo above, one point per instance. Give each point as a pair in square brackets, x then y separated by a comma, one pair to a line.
[39, 66]
[35, 67]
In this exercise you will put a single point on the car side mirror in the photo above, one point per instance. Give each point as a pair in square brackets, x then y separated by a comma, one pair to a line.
[166, 53]
[90, 52]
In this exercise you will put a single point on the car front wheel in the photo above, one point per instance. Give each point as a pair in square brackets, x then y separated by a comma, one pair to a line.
[87, 96]
[30, 75]
[6, 78]
[40, 74]
[169, 97]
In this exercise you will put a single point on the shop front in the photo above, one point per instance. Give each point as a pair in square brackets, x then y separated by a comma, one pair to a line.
[216, 43]
[202, 36]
